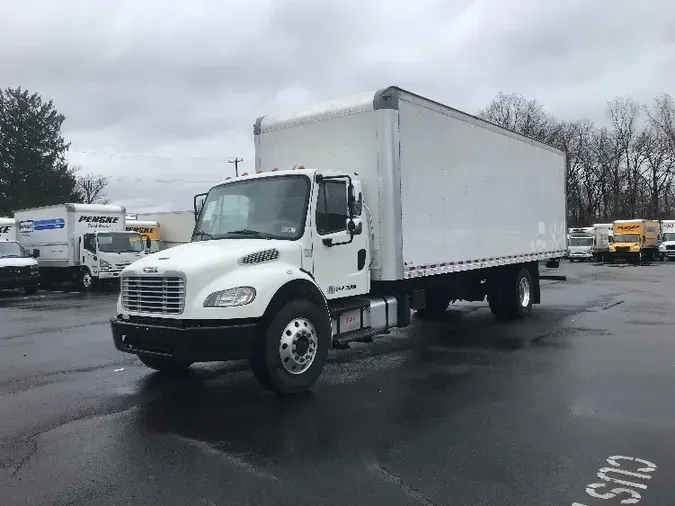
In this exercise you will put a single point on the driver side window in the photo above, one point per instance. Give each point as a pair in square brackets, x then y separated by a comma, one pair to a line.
[331, 207]
[89, 243]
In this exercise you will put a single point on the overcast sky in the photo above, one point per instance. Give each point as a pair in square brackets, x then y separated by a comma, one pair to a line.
[158, 94]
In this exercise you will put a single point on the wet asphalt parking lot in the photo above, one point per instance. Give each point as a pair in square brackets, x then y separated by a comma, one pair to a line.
[571, 406]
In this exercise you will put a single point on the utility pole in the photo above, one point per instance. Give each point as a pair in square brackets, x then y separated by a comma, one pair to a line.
[236, 162]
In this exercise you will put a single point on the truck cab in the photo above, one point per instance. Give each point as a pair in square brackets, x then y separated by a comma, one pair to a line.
[18, 268]
[667, 245]
[580, 244]
[635, 240]
[104, 254]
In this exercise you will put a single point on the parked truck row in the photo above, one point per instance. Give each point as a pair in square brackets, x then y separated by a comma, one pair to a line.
[359, 211]
[634, 240]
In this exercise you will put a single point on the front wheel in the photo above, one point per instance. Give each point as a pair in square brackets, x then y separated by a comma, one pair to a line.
[290, 354]
[86, 281]
[165, 364]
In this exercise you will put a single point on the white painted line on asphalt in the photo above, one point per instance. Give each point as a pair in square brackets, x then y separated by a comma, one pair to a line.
[119, 370]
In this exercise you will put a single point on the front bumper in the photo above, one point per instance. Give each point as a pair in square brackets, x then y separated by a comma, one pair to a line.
[105, 275]
[623, 254]
[19, 281]
[583, 256]
[189, 340]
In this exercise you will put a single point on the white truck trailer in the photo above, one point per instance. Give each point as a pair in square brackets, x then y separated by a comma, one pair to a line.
[667, 245]
[176, 226]
[395, 203]
[602, 237]
[81, 243]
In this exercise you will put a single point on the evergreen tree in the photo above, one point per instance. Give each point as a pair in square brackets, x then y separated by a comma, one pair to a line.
[33, 167]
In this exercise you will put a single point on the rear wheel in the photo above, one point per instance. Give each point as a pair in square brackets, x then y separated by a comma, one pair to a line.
[290, 355]
[165, 364]
[512, 298]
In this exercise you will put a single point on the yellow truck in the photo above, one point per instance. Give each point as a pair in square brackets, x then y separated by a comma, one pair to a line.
[149, 231]
[635, 240]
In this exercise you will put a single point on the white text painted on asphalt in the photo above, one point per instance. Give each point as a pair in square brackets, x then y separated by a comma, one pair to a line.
[630, 473]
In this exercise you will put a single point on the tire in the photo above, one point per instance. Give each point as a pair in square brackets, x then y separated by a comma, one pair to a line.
[512, 298]
[86, 281]
[30, 290]
[299, 325]
[165, 364]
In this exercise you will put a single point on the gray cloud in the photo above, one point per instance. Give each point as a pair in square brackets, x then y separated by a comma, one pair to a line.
[180, 83]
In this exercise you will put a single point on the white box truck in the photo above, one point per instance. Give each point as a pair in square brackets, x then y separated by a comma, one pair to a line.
[580, 244]
[81, 243]
[395, 203]
[667, 245]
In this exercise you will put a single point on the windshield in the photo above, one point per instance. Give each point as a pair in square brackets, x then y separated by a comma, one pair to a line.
[670, 236]
[581, 241]
[119, 243]
[12, 250]
[270, 207]
[626, 238]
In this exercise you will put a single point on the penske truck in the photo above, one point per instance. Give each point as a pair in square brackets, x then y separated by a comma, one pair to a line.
[8, 229]
[667, 246]
[358, 211]
[85, 244]
[635, 240]
[150, 233]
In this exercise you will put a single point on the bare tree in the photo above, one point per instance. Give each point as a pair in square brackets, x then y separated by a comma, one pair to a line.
[625, 170]
[92, 189]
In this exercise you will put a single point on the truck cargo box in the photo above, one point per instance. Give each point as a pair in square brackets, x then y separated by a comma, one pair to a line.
[448, 191]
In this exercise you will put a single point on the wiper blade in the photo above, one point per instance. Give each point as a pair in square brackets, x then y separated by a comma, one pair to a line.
[253, 233]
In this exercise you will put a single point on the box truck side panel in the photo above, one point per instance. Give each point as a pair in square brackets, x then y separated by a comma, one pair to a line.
[47, 230]
[475, 195]
[341, 136]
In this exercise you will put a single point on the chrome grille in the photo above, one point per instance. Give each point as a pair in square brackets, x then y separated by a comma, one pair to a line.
[153, 294]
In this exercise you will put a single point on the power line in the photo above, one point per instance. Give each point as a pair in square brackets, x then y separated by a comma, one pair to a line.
[132, 156]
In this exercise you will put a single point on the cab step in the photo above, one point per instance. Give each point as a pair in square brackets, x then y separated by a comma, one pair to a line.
[340, 306]
[363, 335]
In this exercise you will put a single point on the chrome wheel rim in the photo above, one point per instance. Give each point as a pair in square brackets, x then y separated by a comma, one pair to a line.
[86, 280]
[298, 346]
[524, 292]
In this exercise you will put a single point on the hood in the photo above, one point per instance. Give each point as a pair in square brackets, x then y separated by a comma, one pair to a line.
[17, 262]
[201, 256]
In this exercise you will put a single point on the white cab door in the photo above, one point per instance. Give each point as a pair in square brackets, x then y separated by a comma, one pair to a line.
[341, 265]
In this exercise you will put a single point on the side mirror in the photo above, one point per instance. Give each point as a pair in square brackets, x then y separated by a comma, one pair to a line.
[36, 253]
[148, 243]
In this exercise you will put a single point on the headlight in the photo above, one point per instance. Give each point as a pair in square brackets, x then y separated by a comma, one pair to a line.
[233, 297]
[105, 265]
[34, 267]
